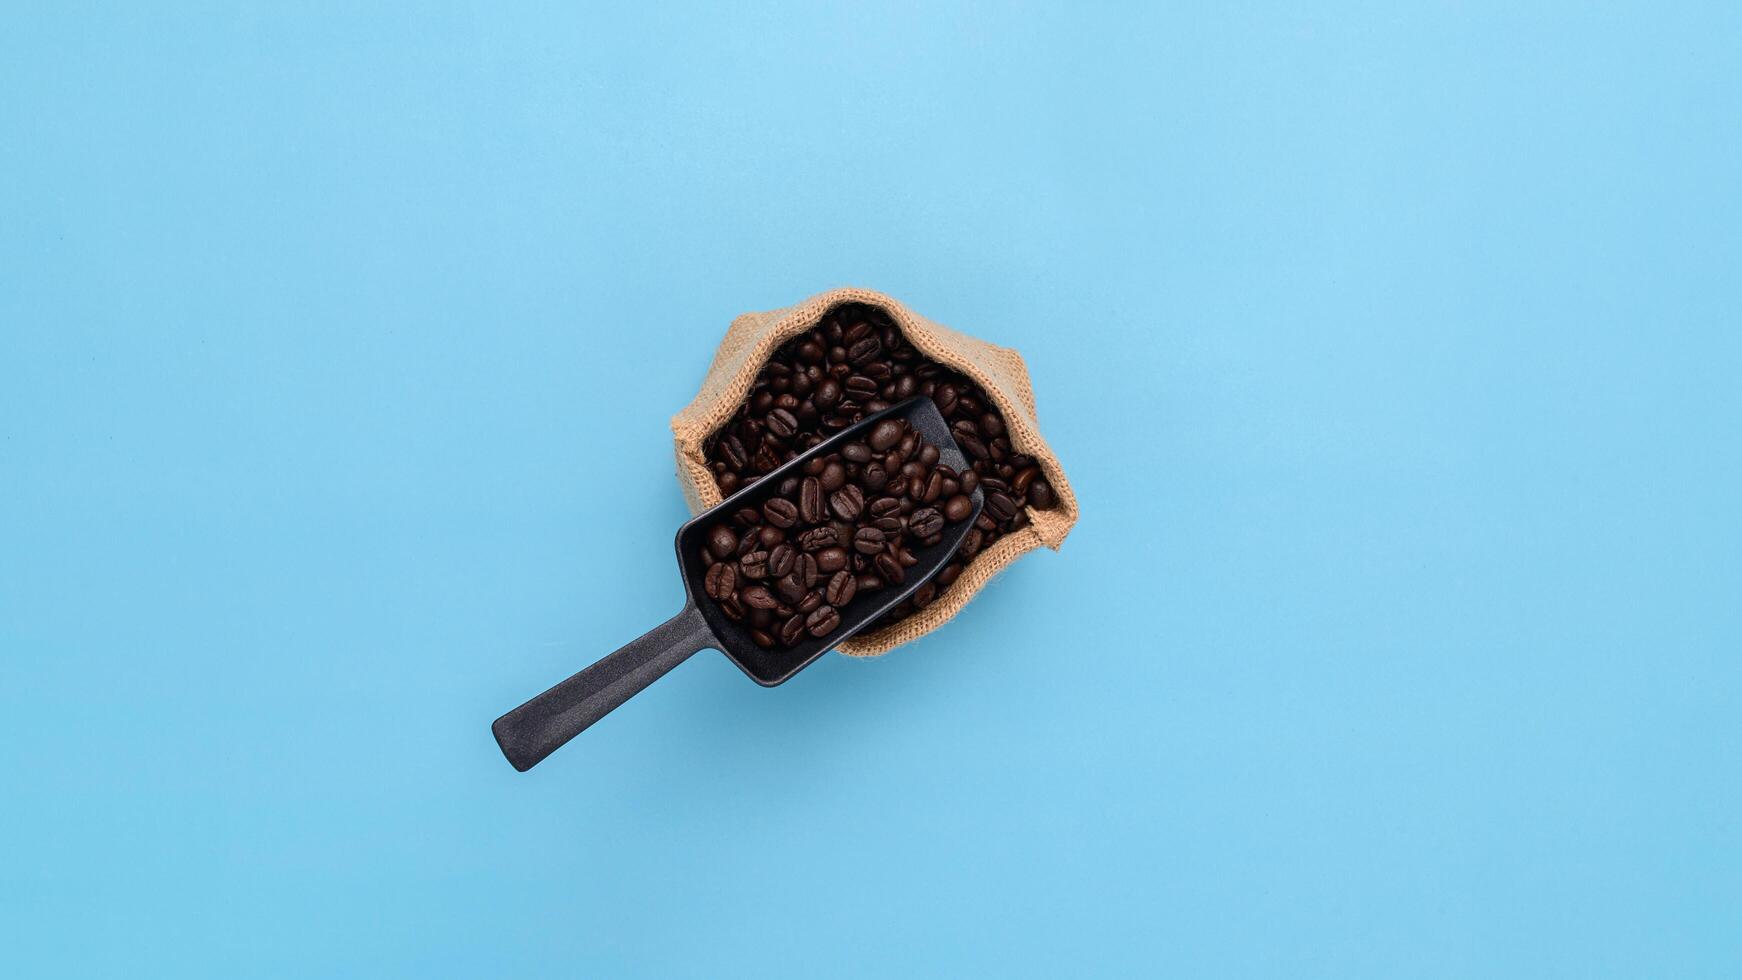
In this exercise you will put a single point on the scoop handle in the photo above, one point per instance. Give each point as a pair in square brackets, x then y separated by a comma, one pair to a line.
[541, 726]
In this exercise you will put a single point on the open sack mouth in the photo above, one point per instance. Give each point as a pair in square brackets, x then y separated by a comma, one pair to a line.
[783, 381]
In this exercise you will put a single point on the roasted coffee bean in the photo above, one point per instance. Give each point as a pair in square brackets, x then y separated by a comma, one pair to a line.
[782, 423]
[1000, 506]
[856, 452]
[810, 501]
[864, 350]
[732, 448]
[842, 588]
[847, 502]
[831, 559]
[884, 435]
[925, 522]
[768, 537]
[860, 387]
[948, 575]
[923, 595]
[834, 476]
[890, 570]
[761, 639]
[733, 608]
[757, 597]
[933, 488]
[868, 541]
[807, 571]
[874, 477]
[780, 512]
[822, 621]
[722, 542]
[722, 581]
[973, 446]
[780, 560]
[754, 564]
[790, 588]
[811, 600]
[1040, 495]
[958, 508]
[1020, 482]
[891, 525]
[827, 394]
[818, 538]
[884, 507]
[792, 630]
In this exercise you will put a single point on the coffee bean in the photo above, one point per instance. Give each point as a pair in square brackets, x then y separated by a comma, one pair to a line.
[782, 423]
[875, 477]
[1040, 495]
[889, 569]
[856, 452]
[818, 538]
[807, 571]
[768, 537]
[810, 500]
[780, 560]
[847, 502]
[822, 621]
[842, 588]
[754, 564]
[885, 434]
[757, 597]
[868, 541]
[1000, 506]
[925, 522]
[860, 387]
[761, 639]
[884, 507]
[831, 559]
[722, 581]
[827, 394]
[722, 542]
[792, 630]
[780, 512]
[834, 476]
[790, 588]
[958, 508]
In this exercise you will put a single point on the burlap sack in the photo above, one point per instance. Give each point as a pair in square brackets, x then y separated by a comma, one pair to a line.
[998, 370]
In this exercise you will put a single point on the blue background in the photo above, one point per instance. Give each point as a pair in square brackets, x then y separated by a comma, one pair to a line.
[1394, 357]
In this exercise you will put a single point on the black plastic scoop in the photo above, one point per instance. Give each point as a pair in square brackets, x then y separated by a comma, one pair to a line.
[541, 726]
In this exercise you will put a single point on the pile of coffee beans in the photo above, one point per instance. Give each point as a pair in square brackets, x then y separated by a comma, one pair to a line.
[847, 527]
[856, 362]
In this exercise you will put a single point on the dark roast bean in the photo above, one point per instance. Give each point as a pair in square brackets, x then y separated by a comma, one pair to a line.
[885, 434]
[884, 507]
[761, 638]
[757, 597]
[1040, 495]
[890, 570]
[782, 423]
[958, 508]
[754, 564]
[831, 559]
[818, 538]
[768, 537]
[834, 476]
[856, 452]
[868, 541]
[807, 571]
[791, 588]
[792, 630]
[822, 621]
[861, 387]
[722, 542]
[722, 581]
[810, 500]
[1001, 507]
[847, 502]
[925, 522]
[842, 588]
[780, 560]
[780, 512]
